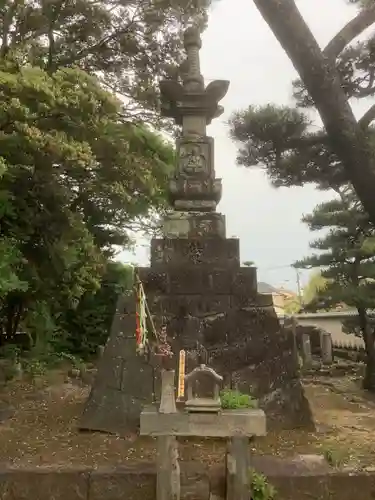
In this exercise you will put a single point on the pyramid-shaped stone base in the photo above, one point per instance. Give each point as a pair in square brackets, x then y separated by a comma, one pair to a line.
[198, 289]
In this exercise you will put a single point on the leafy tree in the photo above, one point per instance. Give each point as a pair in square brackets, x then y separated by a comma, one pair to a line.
[292, 305]
[128, 44]
[79, 168]
[74, 179]
[93, 316]
[346, 257]
[315, 286]
[9, 255]
[249, 263]
[282, 137]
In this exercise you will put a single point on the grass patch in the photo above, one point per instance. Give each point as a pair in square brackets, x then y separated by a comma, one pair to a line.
[261, 489]
[335, 458]
[233, 400]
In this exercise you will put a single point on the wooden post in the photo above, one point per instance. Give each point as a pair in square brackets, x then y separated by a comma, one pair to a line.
[181, 376]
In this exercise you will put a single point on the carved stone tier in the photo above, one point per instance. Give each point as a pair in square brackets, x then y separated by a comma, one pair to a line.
[196, 194]
[200, 280]
[207, 251]
[193, 186]
[197, 289]
[178, 103]
[194, 225]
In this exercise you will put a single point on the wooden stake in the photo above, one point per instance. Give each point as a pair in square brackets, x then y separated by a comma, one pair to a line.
[181, 376]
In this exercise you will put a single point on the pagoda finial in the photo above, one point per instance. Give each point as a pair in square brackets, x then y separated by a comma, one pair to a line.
[193, 188]
[193, 79]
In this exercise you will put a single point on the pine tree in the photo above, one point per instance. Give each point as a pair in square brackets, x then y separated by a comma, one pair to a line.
[346, 257]
[281, 140]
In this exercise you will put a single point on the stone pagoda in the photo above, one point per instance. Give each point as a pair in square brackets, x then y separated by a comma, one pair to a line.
[196, 287]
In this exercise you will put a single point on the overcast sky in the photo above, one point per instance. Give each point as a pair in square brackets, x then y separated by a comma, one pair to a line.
[239, 46]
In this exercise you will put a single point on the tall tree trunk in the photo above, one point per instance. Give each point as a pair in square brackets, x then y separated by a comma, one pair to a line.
[13, 311]
[317, 71]
[368, 337]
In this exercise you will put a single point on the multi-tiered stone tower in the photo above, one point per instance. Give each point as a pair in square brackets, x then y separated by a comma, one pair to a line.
[196, 286]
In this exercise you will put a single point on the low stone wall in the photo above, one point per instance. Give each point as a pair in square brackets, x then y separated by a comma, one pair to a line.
[139, 483]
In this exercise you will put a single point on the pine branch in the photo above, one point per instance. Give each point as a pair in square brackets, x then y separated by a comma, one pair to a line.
[349, 32]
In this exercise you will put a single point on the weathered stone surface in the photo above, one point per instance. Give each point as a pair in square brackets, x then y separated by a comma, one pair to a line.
[238, 468]
[314, 334]
[228, 423]
[191, 305]
[137, 483]
[298, 465]
[245, 282]
[168, 485]
[195, 482]
[117, 410]
[306, 350]
[111, 407]
[219, 253]
[200, 279]
[43, 484]
[184, 190]
[184, 225]
[246, 345]
[195, 285]
[168, 397]
[326, 348]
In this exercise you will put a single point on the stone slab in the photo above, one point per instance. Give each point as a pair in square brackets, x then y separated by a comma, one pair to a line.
[298, 465]
[228, 423]
[193, 305]
[168, 483]
[238, 470]
[207, 306]
[117, 410]
[139, 482]
[44, 484]
[183, 225]
[118, 483]
[200, 279]
[213, 251]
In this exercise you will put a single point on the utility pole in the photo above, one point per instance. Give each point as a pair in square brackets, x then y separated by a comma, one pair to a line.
[298, 279]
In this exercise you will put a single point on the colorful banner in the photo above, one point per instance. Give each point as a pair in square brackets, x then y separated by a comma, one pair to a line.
[141, 317]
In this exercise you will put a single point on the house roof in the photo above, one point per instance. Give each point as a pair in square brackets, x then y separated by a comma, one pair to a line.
[266, 288]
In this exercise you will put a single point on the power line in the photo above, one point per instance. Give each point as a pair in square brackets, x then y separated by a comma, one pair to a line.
[278, 267]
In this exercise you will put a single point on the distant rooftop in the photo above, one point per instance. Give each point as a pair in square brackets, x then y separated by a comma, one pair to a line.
[266, 288]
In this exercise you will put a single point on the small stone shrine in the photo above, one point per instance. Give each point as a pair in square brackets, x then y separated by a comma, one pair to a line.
[238, 427]
[197, 288]
[203, 390]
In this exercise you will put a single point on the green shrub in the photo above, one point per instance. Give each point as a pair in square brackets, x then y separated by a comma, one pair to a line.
[333, 457]
[260, 487]
[34, 367]
[232, 400]
[10, 351]
[87, 326]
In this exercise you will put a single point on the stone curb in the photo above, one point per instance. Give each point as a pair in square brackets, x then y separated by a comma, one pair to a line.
[139, 483]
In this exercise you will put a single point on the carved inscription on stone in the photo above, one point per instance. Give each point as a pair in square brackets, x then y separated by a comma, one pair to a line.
[194, 158]
[195, 252]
